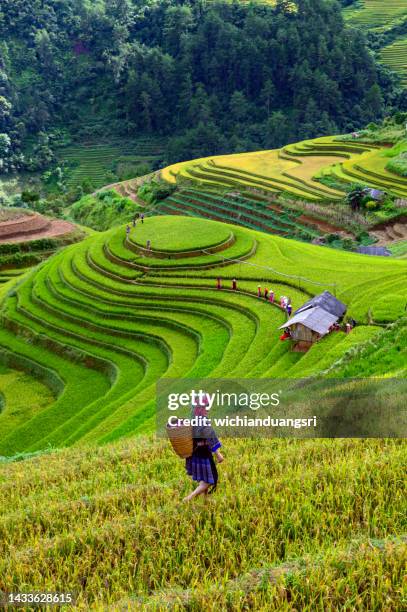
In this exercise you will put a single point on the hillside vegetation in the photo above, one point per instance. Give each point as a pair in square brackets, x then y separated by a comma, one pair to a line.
[385, 356]
[86, 71]
[103, 210]
[105, 318]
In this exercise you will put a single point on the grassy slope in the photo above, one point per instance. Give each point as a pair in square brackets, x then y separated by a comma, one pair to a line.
[399, 249]
[116, 320]
[386, 356]
[101, 211]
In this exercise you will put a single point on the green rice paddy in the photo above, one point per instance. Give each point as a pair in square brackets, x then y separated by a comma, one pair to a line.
[376, 14]
[102, 320]
[395, 57]
[382, 17]
[100, 162]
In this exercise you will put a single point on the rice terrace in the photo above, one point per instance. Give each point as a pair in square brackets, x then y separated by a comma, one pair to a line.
[195, 191]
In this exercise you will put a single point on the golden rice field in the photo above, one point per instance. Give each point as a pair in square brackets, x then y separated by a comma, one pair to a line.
[295, 169]
[295, 525]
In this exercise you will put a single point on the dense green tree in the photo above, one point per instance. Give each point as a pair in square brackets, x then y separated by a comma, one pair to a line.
[238, 106]
[267, 96]
[232, 74]
[5, 142]
[5, 108]
[178, 21]
[373, 102]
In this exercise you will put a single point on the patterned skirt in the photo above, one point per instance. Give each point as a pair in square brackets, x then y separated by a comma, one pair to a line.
[201, 468]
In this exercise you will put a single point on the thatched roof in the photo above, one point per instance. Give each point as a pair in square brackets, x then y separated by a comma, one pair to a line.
[327, 302]
[317, 319]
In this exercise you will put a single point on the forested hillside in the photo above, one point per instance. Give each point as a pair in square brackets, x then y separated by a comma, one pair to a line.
[210, 77]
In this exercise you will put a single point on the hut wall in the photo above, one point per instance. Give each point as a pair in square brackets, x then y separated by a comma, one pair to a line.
[301, 333]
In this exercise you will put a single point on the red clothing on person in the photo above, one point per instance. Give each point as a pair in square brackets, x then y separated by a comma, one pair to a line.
[284, 336]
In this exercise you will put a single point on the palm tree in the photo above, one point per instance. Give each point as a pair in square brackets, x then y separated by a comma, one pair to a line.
[355, 197]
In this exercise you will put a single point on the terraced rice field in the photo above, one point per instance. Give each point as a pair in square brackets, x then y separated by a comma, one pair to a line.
[97, 162]
[376, 13]
[28, 238]
[369, 169]
[33, 227]
[7, 275]
[294, 170]
[21, 397]
[249, 210]
[395, 57]
[381, 16]
[102, 320]
[305, 525]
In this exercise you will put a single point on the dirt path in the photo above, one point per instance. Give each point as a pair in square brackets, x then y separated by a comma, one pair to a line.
[128, 189]
[391, 231]
[324, 226]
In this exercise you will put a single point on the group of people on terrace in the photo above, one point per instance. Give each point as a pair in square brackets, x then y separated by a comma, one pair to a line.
[137, 217]
[266, 293]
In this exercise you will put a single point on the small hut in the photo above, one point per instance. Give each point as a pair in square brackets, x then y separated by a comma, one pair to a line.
[313, 320]
[309, 326]
[374, 250]
[376, 194]
[327, 302]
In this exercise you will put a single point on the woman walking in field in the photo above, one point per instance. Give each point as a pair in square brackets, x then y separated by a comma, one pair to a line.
[201, 465]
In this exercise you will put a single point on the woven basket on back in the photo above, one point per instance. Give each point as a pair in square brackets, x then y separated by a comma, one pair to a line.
[181, 439]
